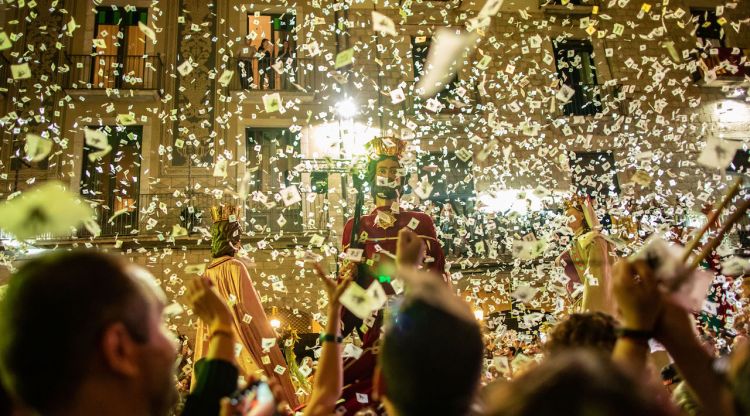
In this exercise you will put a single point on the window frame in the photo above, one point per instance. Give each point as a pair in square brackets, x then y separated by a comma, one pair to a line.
[588, 92]
[703, 13]
[580, 159]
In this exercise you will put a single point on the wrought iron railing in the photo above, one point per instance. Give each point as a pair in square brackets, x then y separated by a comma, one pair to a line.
[297, 75]
[155, 214]
[4, 74]
[137, 72]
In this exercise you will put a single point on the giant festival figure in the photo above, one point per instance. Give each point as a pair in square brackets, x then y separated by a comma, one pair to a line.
[251, 326]
[376, 234]
[588, 261]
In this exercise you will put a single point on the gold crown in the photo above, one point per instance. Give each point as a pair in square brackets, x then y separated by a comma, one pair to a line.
[385, 146]
[575, 202]
[223, 212]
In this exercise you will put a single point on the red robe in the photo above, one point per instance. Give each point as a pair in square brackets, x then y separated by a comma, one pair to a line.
[358, 373]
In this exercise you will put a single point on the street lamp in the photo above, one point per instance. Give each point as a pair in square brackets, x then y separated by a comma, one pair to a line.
[346, 108]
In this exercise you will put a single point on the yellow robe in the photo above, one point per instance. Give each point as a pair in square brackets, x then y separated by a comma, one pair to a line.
[593, 248]
[232, 280]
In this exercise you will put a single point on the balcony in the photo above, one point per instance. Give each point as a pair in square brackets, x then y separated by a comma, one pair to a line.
[91, 73]
[716, 67]
[154, 215]
[590, 99]
[299, 77]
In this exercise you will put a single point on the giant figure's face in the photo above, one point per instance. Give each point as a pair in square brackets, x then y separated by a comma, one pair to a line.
[387, 179]
[575, 219]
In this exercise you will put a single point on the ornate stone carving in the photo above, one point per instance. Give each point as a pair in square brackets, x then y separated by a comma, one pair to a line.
[195, 104]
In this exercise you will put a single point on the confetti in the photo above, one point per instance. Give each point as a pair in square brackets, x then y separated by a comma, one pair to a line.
[382, 23]
[5, 42]
[272, 102]
[37, 148]
[290, 195]
[149, 33]
[21, 71]
[446, 57]
[45, 209]
[185, 68]
[344, 58]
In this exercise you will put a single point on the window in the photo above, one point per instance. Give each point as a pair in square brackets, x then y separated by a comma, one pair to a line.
[275, 152]
[112, 177]
[420, 48]
[271, 43]
[707, 28]
[595, 174]
[120, 46]
[272, 155]
[741, 162]
[576, 69]
[450, 176]
[4, 74]
[319, 182]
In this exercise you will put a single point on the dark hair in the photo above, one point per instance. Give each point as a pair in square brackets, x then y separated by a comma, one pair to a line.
[595, 330]
[574, 383]
[51, 320]
[670, 375]
[431, 361]
[222, 234]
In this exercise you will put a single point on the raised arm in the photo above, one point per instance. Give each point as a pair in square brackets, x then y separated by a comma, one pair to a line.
[329, 379]
[676, 331]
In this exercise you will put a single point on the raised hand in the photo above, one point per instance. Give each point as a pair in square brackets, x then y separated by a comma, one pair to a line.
[207, 303]
[637, 294]
[334, 289]
[409, 248]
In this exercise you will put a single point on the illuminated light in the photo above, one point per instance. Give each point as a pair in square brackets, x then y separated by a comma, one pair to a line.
[479, 314]
[731, 111]
[347, 108]
[384, 279]
[510, 200]
[275, 323]
[344, 140]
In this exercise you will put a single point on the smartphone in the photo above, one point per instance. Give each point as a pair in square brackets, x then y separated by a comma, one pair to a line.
[255, 400]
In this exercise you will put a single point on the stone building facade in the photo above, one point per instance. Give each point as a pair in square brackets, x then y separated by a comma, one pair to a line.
[645, 104]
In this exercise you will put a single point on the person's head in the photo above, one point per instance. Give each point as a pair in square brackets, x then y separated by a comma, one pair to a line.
[76, 321]
[265, 44]
[225, 238]
[573, 383]
[670, 377]
[593, 330]
[385, 177]
[414, 376]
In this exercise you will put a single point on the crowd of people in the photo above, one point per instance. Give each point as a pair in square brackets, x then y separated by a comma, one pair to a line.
[83, 333]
